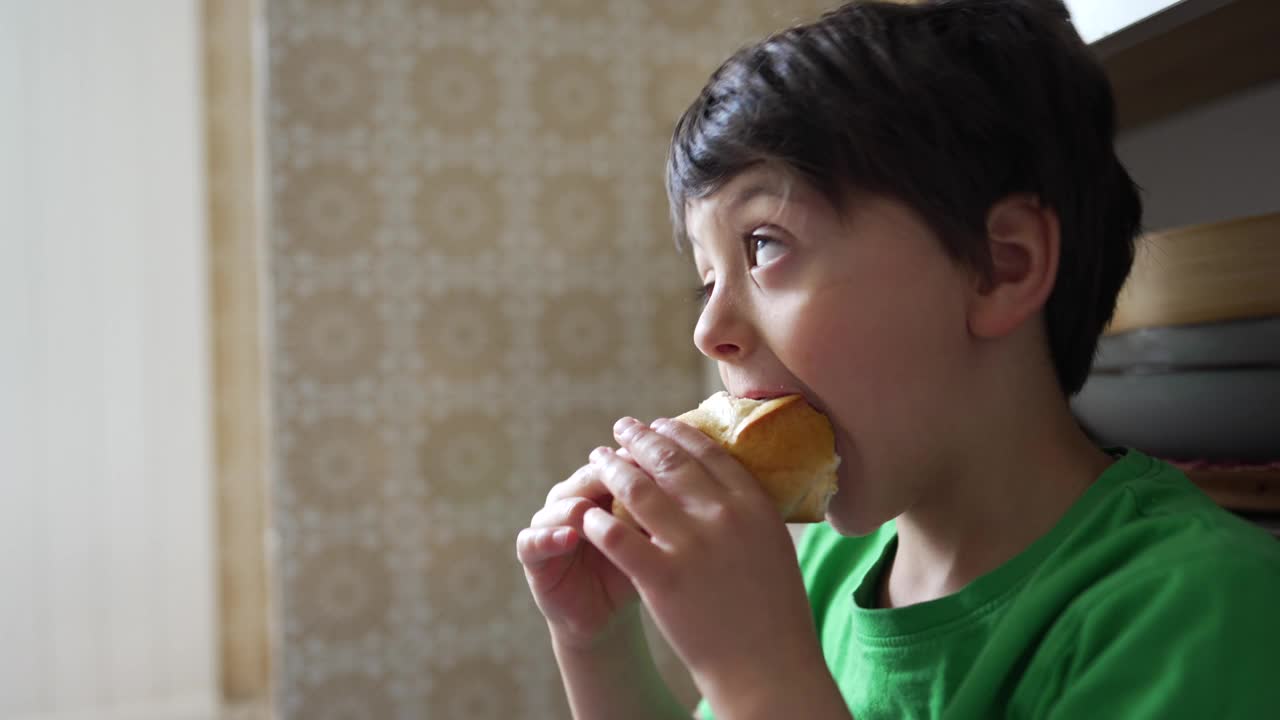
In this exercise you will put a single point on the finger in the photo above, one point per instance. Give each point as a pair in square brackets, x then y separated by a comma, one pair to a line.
[719, 463]
[535, 546]
[652, 508]
[623, 545]
[584, 482]
[567, 512]
[666, 461]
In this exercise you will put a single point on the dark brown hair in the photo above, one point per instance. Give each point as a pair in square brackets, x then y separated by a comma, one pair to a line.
[947, 106]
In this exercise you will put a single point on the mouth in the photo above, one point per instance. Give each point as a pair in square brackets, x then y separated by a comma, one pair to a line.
[751, 395]
[770, 393]
[766, 392]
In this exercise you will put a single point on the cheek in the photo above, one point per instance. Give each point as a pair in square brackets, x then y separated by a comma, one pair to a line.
[883, 355]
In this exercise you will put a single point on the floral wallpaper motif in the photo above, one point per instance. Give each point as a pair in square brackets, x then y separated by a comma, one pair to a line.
[472, 277]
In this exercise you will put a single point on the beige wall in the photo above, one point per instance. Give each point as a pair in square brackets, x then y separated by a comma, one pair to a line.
[472, 278]
[1227, 164]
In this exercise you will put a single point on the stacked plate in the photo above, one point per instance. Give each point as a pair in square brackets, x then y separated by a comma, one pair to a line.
[1193, 392]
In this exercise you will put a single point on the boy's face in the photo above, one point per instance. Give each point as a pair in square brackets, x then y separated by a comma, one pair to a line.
[861, 312]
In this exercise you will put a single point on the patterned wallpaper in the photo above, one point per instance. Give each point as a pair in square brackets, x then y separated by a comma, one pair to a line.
[473, 277]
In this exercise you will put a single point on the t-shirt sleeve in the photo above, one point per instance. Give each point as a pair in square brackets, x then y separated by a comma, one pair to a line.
[1196, 640]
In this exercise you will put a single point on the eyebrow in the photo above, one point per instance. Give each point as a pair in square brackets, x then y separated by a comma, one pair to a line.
[742, 197]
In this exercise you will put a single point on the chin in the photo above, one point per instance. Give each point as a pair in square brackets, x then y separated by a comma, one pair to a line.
[856, 526]
[851, 515]
[851, 512]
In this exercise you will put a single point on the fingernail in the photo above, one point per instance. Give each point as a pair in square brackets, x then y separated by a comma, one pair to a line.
[626, 427]
[561, 536]
[660, 424]
[600, 453]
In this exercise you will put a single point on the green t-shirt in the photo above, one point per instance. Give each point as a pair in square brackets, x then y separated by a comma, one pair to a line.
[1146, 600]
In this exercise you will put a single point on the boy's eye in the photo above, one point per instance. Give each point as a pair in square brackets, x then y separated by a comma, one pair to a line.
[762, 249]
[703, 293]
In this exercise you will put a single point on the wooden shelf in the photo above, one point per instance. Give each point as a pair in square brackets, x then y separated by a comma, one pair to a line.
[1189, 54]
[1203, 273]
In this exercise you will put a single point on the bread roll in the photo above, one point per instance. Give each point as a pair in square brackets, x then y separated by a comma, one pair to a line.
[787, 445]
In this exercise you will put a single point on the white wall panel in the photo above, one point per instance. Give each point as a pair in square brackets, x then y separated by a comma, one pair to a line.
[106, 550]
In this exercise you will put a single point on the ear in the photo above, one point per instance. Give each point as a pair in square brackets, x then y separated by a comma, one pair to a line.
[1023, 236]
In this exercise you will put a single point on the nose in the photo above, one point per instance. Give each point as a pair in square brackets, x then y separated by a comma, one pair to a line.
[723, 332]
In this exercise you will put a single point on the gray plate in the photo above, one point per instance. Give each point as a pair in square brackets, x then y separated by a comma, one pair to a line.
[1225, 415]
[1236, 344]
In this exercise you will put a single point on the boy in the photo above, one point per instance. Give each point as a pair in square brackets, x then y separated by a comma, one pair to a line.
[912, 215]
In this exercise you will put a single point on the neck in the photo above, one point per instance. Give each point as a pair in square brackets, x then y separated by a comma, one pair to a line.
[1011, 481]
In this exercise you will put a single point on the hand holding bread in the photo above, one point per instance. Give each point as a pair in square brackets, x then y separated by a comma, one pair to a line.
[783, 443]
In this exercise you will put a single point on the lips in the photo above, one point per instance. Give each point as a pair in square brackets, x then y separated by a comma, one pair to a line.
[766, 394]
[760, 390]
[769, 392]
[763, 390]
